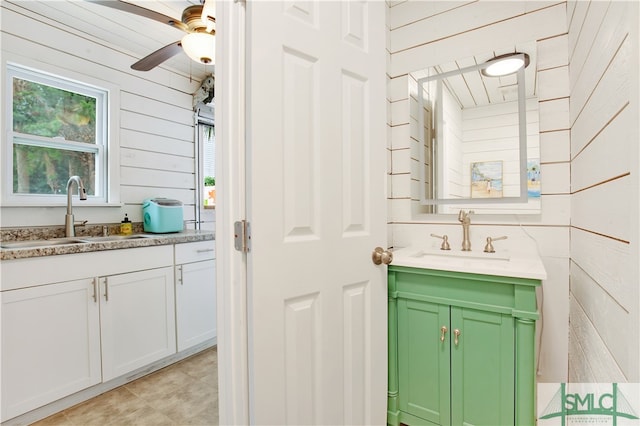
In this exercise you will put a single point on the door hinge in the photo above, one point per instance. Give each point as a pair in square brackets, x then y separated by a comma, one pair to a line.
[242, 236]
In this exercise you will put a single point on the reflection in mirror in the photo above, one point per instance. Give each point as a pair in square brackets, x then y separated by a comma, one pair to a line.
[475, 137]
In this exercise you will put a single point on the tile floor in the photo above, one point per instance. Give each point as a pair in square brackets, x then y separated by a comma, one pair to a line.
[185, 393]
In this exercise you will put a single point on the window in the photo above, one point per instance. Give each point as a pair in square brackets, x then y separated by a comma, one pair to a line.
[57, 128]
[206, 174]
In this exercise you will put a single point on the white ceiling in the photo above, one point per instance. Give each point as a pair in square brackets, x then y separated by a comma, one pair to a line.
[127, 32]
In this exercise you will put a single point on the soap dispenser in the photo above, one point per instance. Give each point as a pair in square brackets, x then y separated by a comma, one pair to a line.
[126, 226]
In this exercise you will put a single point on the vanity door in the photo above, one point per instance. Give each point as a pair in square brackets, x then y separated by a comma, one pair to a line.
[423, 360]
[482, 367]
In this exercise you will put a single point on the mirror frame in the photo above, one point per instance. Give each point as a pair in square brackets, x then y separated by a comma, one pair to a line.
[522, 131]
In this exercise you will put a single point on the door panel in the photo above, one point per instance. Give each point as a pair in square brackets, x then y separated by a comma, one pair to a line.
[482, 368]
[423, 360]
[316, 204]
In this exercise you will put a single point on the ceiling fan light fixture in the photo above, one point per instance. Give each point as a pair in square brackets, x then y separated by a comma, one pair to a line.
[503, 65]
[200, 47]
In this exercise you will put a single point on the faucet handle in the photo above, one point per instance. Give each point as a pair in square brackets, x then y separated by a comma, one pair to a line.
[445, 241]
[488, 248]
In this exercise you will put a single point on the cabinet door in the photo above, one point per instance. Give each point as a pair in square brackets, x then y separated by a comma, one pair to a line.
[137, 320]
[195, 303]
[50, 344]
[482, 368]
[423, 360]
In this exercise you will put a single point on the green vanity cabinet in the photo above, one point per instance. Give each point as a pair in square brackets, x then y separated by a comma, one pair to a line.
[461, 348]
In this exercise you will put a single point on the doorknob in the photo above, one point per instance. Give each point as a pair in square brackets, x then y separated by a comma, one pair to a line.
[380, 255]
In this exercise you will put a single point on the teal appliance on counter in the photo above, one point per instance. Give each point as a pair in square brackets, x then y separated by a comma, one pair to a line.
[162, 215]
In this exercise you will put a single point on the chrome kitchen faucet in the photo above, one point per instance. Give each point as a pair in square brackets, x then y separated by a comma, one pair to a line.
[69, 225]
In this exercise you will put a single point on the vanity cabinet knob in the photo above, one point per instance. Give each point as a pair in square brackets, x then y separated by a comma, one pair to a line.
[443, 331]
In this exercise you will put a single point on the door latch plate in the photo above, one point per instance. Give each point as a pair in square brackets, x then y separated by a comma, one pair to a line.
[242, 236]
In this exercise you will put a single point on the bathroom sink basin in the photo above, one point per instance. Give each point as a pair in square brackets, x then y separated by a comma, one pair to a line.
[498, 255]
[115, 238]
[524, 263]
[40, 243]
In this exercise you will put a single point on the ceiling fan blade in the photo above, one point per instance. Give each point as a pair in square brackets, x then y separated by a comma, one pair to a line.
[141, 11]
[209, 14]
[159, 56]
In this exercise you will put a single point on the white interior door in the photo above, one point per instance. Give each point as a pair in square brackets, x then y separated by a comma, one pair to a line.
[316, 131]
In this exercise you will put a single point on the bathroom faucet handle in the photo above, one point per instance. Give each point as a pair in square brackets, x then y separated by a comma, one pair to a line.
[445, 241]
[488, 248]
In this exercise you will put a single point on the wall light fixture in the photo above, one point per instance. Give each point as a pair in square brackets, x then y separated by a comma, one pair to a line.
[505, 64]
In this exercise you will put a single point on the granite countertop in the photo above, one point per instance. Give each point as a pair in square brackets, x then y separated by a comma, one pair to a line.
[89, 244]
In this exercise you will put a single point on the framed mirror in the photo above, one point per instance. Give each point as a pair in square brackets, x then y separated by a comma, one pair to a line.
[475, 135]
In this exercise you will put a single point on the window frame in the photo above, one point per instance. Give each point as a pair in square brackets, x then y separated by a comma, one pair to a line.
[107, 96]
[204, 117]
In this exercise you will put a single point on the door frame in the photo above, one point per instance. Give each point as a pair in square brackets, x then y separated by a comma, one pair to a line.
[231, 274]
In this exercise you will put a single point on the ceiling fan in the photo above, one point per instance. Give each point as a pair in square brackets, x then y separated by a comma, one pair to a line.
[198, 22]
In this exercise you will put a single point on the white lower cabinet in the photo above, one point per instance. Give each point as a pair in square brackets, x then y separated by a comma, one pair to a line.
[195, 293]
[59, 338]
[50, 344]
[137, 320]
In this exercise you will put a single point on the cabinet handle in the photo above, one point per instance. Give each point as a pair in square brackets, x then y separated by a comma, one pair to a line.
[443, 331]
[95, 290]
[106, 290]
[456, 333]
[204, 250]
[180, 276]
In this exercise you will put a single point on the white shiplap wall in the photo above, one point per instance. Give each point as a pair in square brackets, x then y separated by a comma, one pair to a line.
[156, 132]
[425, 33]
[603, 78]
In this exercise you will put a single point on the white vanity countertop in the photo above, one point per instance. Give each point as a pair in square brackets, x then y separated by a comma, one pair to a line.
[520, 264]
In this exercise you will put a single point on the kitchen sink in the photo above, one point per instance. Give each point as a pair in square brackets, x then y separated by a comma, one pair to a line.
[70, 240]
[115, 238]
[40, 243]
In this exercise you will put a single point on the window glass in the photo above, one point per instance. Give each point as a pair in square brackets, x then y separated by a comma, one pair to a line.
[205, 214]
[41, 170]
[57, 132]
[48, 111]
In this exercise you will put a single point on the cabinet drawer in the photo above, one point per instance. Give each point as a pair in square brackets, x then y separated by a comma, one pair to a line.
[194, 252]
[34, 271]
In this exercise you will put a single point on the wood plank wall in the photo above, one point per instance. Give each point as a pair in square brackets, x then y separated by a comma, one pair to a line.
[603, 55]
[156, 135]
[426, 33]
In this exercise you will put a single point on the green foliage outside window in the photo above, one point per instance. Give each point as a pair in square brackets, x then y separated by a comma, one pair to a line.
[51, 112]
[64, 121]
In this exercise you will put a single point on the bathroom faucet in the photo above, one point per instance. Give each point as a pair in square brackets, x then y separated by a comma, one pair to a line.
[70, 230]
[465, 219]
